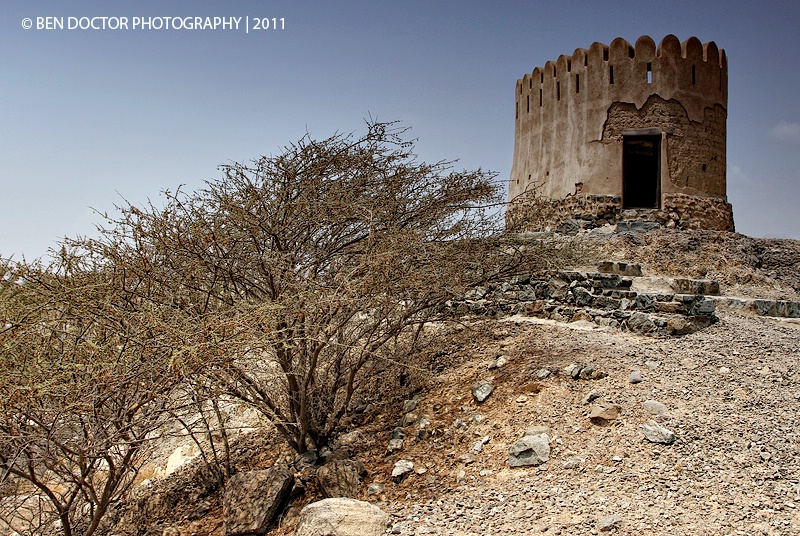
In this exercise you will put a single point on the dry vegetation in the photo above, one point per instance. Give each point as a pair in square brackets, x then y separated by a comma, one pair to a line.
[292, 285]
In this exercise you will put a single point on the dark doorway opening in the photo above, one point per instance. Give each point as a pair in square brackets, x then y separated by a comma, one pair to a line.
[641, 171]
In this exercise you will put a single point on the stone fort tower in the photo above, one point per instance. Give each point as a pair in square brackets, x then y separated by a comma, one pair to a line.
[622, 132]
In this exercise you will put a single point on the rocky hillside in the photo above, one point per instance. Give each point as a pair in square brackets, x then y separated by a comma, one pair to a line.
[565, 420]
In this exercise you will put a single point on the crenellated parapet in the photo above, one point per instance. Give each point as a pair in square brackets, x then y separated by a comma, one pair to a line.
[574, 114]
[692, 72]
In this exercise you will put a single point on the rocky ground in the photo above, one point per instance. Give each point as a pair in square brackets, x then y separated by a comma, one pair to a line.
[730, 393]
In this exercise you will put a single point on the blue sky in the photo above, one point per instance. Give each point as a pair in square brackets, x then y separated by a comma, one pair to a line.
[88, 117]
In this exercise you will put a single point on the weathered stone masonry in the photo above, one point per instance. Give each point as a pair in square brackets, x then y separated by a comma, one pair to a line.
[625, 132]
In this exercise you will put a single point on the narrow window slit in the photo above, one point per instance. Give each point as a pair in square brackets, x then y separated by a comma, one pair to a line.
[649, 73]
[694, 74]
[611, 74]
[577, 83]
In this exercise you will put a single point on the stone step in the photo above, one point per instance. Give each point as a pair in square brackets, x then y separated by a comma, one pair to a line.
[760, 307]
[707, 287]
[678, 285]
[620, 268]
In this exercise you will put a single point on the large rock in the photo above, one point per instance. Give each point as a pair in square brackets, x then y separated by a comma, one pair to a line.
[530, 450]
[340, 478]
[342, 517]
[252, 500]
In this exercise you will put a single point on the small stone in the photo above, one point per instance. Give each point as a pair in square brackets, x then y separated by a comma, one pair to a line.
[568, 370]
[401, 469]
[499, 362]
[466, 459]
[538, 430]
[652, 365]
[481, 391]
[375, 488]
[724, 370]
[635, 377]
[400, 528]
[410, 405]
[604, 412]
[641, 323]
[460, 425]
[394, 446]
[572, 463]
[521, 399]
[591, 397]
[655, 433]
[350, 439]
[542, 373]
[654, 407]
[609, 523]
[477, 447]
[422, 423]
[409, 419]
[599, 374]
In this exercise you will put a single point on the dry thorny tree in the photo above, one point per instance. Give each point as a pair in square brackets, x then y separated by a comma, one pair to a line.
[85, 378]
[292, 285]
[328, 258]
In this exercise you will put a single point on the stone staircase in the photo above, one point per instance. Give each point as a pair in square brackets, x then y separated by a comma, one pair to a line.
[617, 295]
